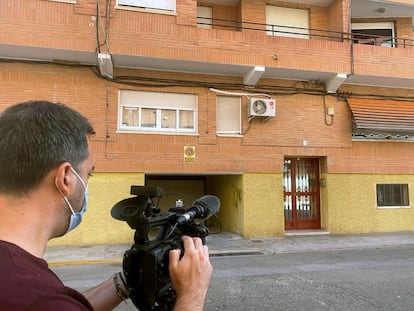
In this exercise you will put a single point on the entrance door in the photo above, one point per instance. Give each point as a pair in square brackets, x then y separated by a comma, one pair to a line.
[301, 193]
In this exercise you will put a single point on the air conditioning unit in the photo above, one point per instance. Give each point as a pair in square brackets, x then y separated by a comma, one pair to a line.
[261, 107]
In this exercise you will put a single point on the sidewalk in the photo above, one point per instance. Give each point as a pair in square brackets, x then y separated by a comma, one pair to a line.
[229, 244]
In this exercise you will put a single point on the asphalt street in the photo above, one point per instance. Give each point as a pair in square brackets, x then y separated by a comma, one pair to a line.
[374, 278]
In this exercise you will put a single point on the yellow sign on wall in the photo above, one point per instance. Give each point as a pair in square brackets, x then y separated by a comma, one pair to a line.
[189, 153]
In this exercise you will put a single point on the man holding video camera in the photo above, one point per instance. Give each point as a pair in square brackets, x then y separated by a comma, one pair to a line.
[45, 162]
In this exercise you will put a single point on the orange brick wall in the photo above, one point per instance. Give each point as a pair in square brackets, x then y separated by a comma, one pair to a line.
[261, 149]
[368, 57]
[338, 16]
[186, 11]
[46, 23]
[72, 27]
[224, 12]
[263, 145]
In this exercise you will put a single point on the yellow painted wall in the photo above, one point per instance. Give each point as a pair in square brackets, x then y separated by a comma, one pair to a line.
[353, 209]
[263, 205]
[251, 205]
[98, 226]
[229, 189]
[324, 211]
[323, 193]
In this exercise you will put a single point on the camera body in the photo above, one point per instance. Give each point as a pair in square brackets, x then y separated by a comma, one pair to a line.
[145, 264]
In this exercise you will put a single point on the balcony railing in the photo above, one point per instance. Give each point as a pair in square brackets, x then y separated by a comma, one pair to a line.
[305, 33]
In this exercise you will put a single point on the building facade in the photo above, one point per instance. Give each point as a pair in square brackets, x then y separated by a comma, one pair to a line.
[297, 115]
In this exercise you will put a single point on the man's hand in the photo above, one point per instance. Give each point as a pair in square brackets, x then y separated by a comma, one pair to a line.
[191, 275]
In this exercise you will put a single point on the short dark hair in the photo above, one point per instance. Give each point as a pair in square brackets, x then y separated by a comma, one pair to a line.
[36, 137]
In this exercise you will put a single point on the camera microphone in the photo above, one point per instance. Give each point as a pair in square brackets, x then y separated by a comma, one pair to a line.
[202, 208]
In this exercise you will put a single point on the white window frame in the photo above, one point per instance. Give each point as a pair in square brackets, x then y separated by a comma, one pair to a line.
[379, 25]
[163, 5]
[159, 102]
[288, 17]
[228, 115]
[64, 1]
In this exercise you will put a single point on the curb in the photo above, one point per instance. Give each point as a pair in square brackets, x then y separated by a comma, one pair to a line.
[232, 245]
[83, 262]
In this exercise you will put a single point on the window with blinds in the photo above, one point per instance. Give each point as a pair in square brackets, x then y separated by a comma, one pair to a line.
[155, 111]
[287, 22]
[204, 17]
[228, 115]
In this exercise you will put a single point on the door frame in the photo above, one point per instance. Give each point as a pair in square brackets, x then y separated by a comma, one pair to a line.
[301, 189]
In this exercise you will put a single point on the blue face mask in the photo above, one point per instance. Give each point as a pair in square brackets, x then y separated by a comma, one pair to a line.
[76, 217]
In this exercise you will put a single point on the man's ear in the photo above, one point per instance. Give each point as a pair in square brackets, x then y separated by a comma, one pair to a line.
[63, 179]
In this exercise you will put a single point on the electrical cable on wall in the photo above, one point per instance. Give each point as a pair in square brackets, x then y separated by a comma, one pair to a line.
[139, 81]
[238, 94]
[98, 44]
[104, 58]
[104, 28]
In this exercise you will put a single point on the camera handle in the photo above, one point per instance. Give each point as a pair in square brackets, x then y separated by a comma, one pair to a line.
[162, 223]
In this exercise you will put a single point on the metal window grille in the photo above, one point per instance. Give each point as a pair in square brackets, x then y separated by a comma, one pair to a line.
[392, 195]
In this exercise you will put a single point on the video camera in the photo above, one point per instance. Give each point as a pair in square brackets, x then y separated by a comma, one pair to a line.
[145, 264]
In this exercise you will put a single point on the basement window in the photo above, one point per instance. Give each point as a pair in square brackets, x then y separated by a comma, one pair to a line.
[392, 196]
[158, 112]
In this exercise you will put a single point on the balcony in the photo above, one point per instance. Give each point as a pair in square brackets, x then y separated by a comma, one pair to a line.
[236, 42]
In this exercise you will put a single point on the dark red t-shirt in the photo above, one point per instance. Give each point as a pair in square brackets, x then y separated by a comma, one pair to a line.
[27, 283]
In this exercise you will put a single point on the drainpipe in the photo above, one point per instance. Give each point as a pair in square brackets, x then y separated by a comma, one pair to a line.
[350, 32]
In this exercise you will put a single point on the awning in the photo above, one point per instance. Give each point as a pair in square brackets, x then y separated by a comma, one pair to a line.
[381, 119]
